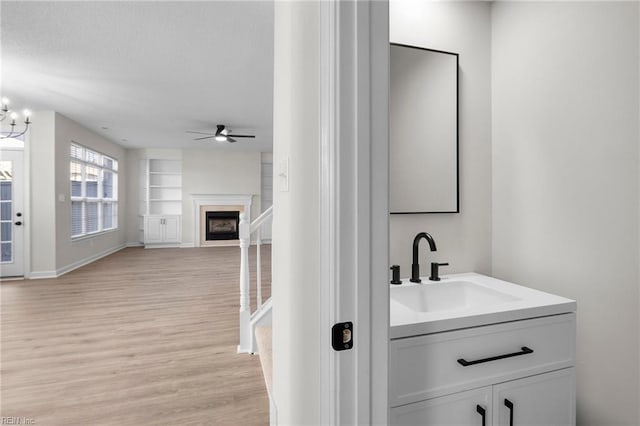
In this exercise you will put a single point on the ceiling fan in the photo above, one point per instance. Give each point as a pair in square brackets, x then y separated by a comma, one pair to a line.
[222, 134]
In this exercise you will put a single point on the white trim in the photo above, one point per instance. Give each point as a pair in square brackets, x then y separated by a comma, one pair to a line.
[329, 395]
[12, 144]
[187, 245]
[26, 203]
[354, 209]
[200, 200]
[162, 245]
[41, 275]
[35, 275]
[134, 244]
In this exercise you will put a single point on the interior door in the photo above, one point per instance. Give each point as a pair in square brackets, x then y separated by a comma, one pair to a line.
[11, 213]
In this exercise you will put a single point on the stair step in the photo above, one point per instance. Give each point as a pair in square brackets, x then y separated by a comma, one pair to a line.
[263, 340]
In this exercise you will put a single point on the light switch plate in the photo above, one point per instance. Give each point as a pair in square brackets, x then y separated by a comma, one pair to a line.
[283, 175]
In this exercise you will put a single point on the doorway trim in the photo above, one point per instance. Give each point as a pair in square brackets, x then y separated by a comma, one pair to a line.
[26, 202]
[354, 220]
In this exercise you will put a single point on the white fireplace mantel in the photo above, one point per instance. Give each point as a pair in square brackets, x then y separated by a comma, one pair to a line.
[200, 200]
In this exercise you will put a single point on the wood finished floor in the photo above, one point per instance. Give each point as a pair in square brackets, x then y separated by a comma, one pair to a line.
[142, 337]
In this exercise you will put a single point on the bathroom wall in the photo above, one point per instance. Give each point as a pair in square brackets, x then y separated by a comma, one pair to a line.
[463, 239]
[565, 180]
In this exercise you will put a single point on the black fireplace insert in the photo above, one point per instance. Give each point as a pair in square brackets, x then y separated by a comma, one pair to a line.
[222, 225]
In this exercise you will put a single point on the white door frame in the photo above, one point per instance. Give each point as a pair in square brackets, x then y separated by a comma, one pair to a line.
[354, 218]
[11, 144]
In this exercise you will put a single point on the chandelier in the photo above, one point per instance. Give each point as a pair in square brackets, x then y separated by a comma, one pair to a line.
[5, 113]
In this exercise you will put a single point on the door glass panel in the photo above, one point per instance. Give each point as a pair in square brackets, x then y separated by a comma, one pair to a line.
[6, 203]
[5, 190]
[5, 252]
[5, 231]
[5, 211]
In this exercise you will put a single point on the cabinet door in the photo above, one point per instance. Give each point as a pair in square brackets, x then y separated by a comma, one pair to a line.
[153, 229]
[471, 408]
[543, 400]
[172, 229]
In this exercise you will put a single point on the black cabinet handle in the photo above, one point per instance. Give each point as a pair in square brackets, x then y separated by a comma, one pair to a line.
[18, 223]
[483, 413]
[524, 351]
[509, 405]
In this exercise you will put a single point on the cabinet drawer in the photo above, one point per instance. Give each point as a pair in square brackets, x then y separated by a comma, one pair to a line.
[429, 366]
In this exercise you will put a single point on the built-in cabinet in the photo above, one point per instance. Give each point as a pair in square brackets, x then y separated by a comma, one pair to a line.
[512, 374]
[161, 206]
[163, 229]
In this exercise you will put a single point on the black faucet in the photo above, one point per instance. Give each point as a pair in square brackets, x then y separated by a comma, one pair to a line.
[415, 267]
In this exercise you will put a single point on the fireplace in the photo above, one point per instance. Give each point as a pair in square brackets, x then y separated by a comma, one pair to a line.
[222, 225]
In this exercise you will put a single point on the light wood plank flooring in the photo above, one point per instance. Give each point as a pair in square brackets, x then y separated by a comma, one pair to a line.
[142, 337]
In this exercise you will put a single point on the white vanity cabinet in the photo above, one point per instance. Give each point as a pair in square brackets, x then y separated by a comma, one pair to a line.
[463, 377]
[544, 399]
[462, 408]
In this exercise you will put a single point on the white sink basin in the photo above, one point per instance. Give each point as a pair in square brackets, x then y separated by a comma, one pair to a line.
[466, 300]
[448, 296]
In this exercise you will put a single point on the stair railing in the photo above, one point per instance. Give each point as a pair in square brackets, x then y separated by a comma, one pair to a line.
[245, 231]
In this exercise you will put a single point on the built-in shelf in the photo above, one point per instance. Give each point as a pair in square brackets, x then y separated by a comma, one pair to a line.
[161, 190]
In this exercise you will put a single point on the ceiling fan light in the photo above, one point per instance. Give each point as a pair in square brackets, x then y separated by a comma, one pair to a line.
[222, 138]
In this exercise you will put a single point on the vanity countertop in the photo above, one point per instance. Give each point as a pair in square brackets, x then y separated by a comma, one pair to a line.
[519, 303]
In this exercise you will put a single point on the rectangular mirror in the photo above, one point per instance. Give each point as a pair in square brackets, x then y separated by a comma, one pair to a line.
[423, 127]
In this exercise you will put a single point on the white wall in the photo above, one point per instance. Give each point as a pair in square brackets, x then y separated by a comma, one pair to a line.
[296, 325]
[463, 239]
[43, 208]
[52, 250]
[71, 253]
[217, 172]
[133, 222]
[565, 180]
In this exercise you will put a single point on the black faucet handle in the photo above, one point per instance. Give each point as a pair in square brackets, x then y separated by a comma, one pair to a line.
[395, 274]
[435, 270]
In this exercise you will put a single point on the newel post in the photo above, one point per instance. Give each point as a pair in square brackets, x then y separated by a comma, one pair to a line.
[245, 309]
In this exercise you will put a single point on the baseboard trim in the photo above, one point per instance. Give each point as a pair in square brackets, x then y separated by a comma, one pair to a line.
[187, 245]
[134, 244]
[168, 245]
[39, 275]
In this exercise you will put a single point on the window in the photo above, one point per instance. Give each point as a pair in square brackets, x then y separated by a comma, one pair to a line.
[94, 192]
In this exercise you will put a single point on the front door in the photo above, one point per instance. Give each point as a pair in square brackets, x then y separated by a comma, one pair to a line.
[11, 213]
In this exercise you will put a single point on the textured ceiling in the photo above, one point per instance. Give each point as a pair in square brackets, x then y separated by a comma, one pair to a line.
[148, 71]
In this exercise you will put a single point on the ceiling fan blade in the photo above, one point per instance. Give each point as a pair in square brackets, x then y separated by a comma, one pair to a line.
[230, 139]
[200, 133]
[206, 137]
[242, 136]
